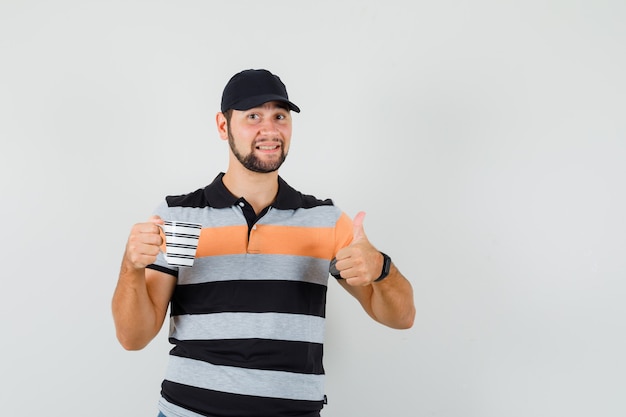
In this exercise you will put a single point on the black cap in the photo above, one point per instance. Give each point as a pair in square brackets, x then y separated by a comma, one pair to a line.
[251, 88]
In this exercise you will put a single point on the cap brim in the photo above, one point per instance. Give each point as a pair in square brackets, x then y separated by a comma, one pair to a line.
[251, 102]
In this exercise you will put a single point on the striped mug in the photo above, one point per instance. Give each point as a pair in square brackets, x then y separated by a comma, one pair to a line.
[181, 242]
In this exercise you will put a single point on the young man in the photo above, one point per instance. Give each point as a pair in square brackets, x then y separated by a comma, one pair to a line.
[247, 319]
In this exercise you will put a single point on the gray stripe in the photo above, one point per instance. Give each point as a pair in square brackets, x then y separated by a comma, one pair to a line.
[321, 216]
[161, 261]
[275, 326]
[256, 267]
[172, 409]
[274, 384]
[207, 216]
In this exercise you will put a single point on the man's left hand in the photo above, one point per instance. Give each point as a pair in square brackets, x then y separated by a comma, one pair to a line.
[359, 263]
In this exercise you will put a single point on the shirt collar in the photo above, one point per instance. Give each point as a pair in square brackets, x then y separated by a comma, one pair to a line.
[218, 196]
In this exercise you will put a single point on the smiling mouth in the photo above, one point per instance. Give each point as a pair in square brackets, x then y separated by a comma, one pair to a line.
[268, 147]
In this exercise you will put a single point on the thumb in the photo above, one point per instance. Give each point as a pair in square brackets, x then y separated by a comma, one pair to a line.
[359, 232]
[155, 219]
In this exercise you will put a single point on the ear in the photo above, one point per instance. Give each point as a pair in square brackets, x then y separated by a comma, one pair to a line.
[222, 126]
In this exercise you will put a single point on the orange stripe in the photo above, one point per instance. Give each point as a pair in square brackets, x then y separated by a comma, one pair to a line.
[228, 240]
[317, 242]
[345, 231]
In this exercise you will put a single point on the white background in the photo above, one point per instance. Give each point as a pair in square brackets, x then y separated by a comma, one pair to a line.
[486, 140]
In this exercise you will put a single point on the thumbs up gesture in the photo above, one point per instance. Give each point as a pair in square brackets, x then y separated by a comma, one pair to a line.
[359, 263]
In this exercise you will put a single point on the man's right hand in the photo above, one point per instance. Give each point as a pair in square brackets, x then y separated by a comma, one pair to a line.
[143, 244]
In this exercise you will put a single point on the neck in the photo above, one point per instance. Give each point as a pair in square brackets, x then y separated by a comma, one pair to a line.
[258, 189]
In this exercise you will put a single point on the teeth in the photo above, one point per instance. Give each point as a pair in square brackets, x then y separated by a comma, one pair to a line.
[267, 148]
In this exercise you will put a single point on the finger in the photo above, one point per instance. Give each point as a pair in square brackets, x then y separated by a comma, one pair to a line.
[359, 231]
[155, 219]
[356, 282]
[145, 236]
[148, 228]
[142, 250]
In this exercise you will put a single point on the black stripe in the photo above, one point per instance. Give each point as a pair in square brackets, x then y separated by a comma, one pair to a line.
[250, 296]
[271, 355]
[180, 245]
[215, 403]
[216, 195]
[180, 256]
[184, 224]
[185, 235]
[163, 269]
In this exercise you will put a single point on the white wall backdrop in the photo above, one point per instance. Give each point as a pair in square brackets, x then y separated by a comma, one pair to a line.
[486, 140]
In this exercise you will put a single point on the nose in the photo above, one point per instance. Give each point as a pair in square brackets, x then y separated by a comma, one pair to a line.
[269, 127]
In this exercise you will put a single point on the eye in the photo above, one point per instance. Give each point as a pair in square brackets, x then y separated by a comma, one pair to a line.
[254, 116]
[281, 117]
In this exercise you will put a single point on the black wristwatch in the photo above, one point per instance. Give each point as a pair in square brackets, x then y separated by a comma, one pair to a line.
[386, 267]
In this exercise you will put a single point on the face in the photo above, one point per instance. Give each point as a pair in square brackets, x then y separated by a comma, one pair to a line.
[259, 138]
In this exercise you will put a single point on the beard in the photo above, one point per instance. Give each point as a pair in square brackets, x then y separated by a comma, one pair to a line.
[252, 162]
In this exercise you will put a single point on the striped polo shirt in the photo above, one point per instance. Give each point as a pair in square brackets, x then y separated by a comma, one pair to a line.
[247, 320]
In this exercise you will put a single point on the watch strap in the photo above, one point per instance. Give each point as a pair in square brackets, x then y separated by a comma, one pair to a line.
[333, 269]
[386, 267]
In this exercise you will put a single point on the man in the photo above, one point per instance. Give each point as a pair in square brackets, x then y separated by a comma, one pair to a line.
[247, 319]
